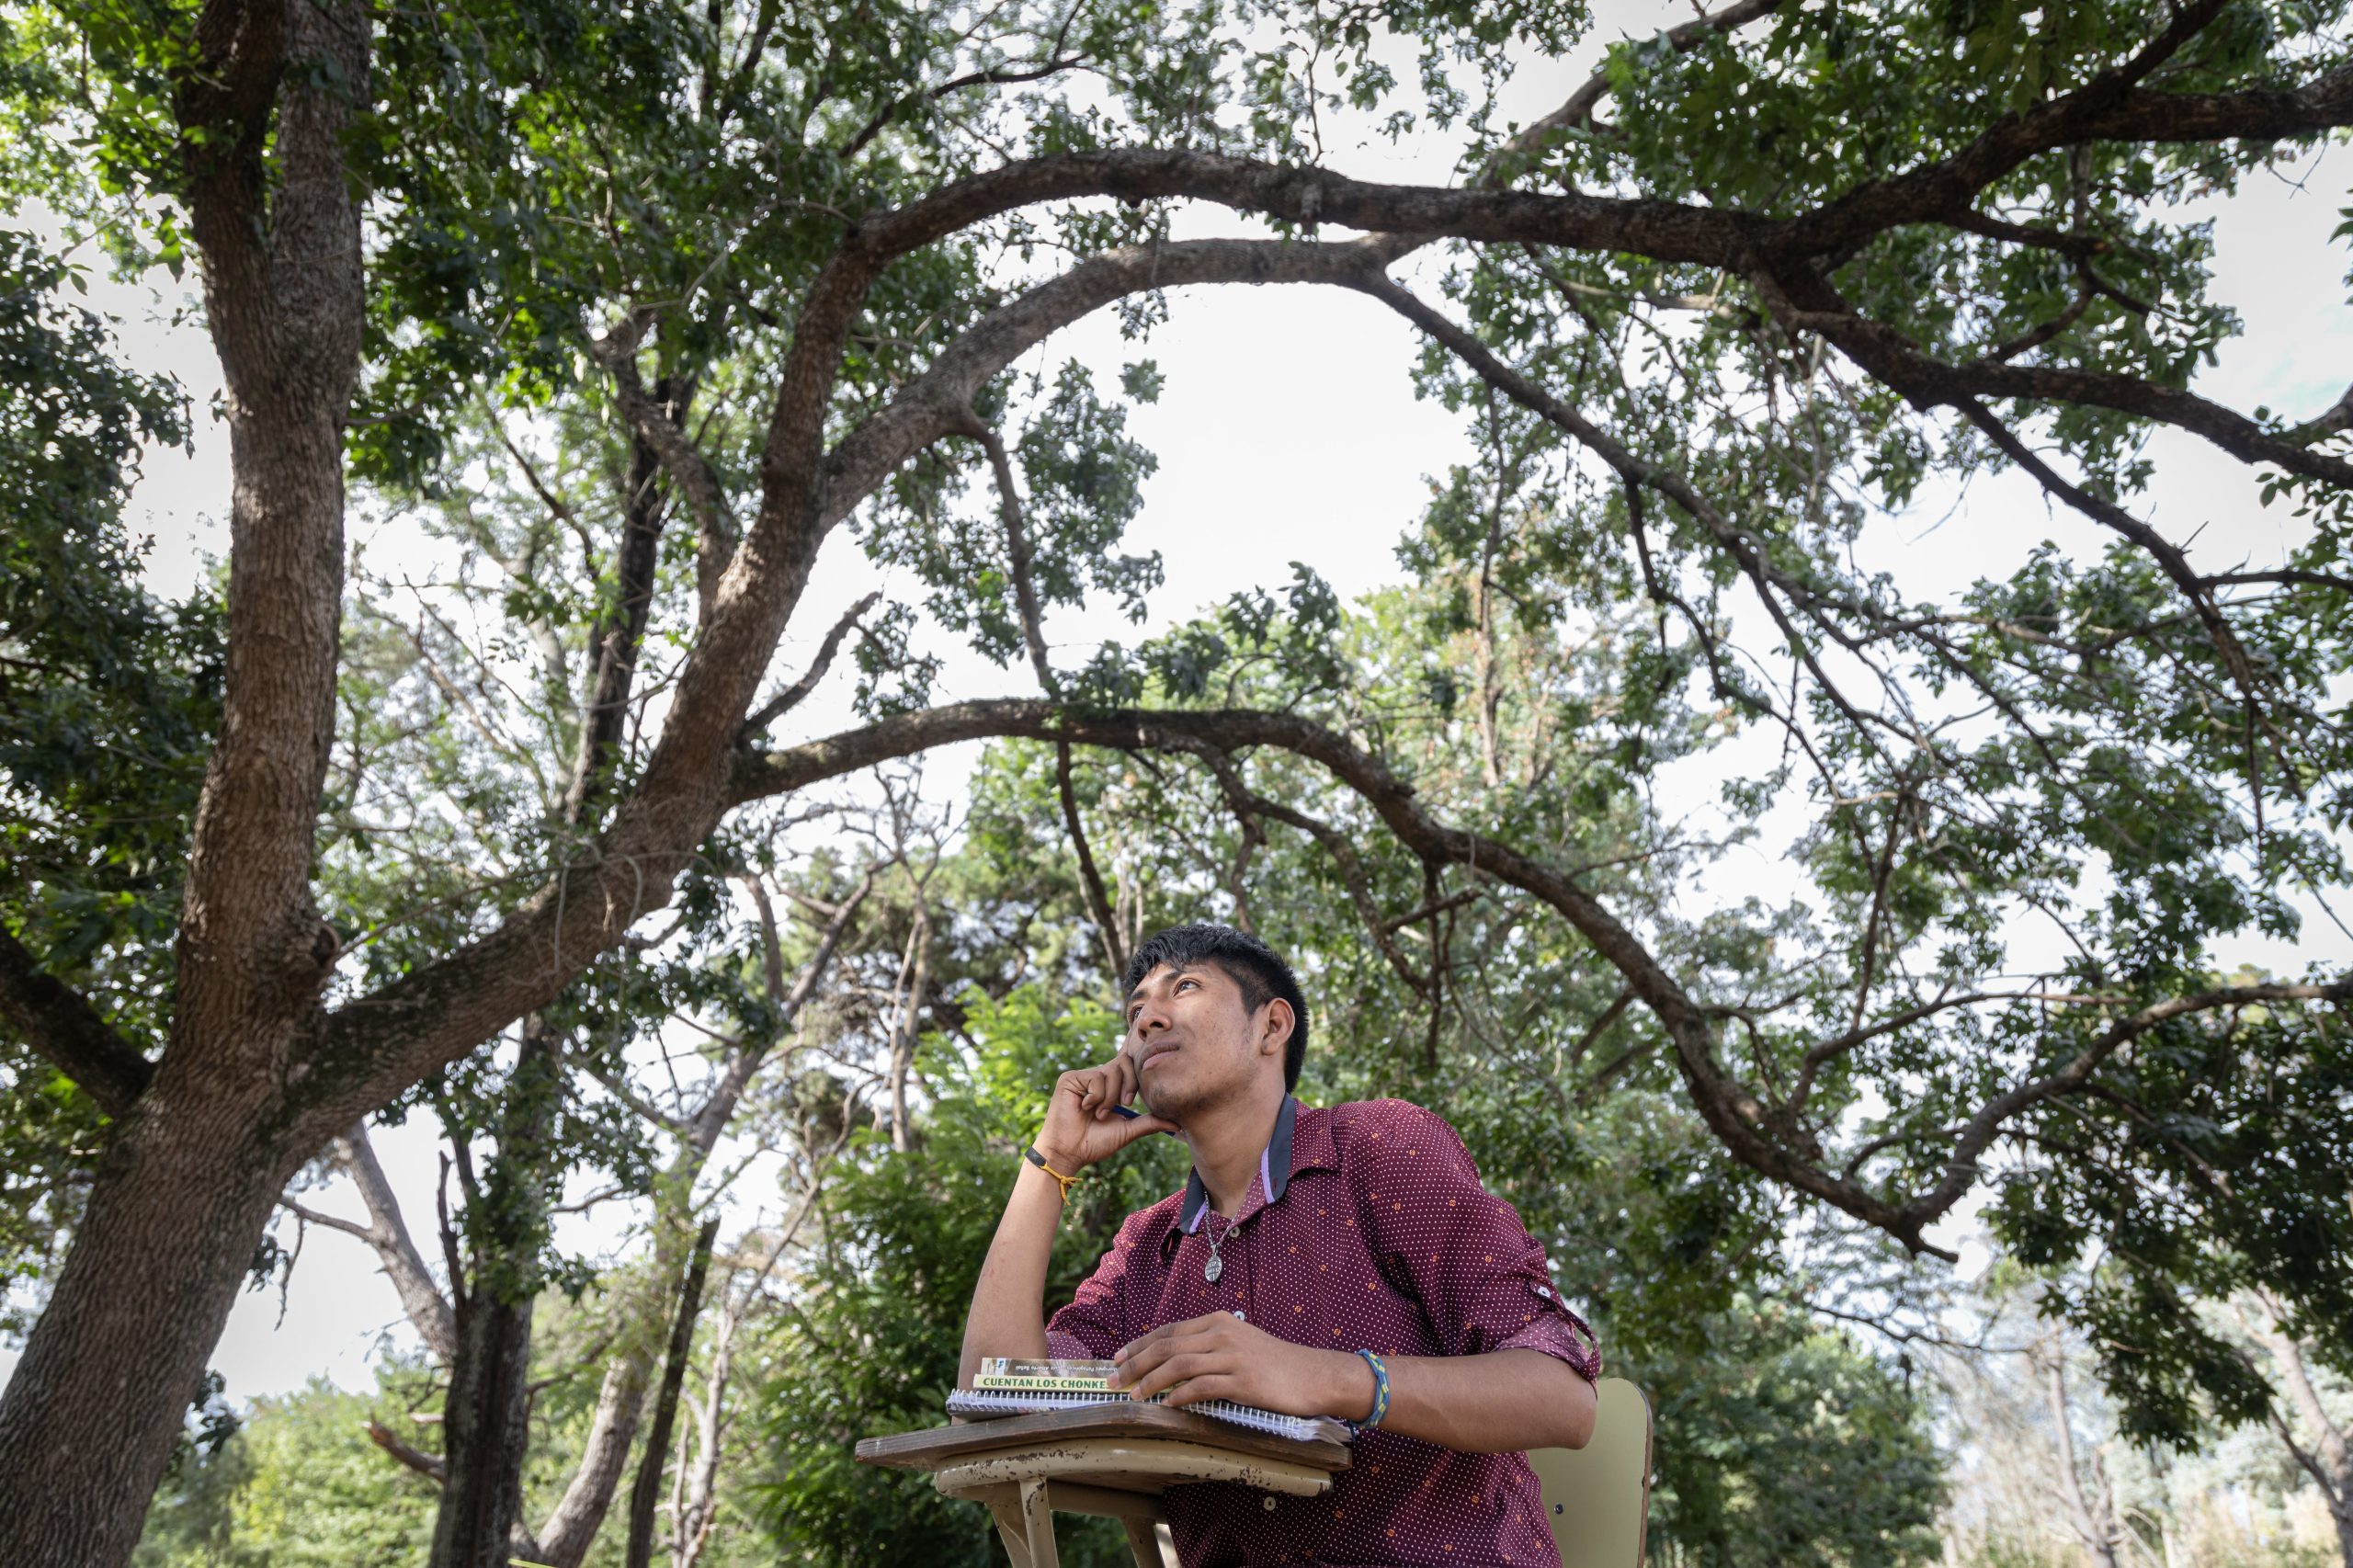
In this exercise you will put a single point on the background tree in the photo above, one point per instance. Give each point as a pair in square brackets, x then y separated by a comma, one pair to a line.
[1716, 313]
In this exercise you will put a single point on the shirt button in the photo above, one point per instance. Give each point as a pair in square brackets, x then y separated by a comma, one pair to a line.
[1267, 1502]
[1245, 1317]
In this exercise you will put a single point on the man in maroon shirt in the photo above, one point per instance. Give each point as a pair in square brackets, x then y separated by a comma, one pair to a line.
[1304, 1237]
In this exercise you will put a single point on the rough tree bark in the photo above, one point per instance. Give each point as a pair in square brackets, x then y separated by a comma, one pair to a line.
[485, 1421]
[195, 1163]
[563, 1538]
[255, 1080]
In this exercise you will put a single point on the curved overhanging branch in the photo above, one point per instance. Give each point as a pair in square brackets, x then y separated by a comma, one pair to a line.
[1928, 382]
[2111, 106]
[379, 1044]
[1733, 1113]
[1741, 1122]
[376, 1045]
[1978, 1134]
[937, 402]
[1666, 231]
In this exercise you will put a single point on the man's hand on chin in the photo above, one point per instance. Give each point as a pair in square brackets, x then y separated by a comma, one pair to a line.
[1221, 1357]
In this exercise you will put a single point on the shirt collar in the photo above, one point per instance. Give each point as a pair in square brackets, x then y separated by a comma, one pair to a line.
[1291, 1148]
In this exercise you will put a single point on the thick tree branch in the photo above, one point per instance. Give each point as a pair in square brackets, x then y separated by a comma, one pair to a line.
[427, 1309]
[937, 403]
[1977, 1135]
[2110, 106]
[423, 1020]
[1738, 1119]
[64, 1030]
[653, 418]
[1664, 231]
[1928, 382]
[2288, 577]
[1733, 1114]
[281, 251]
[428, 1018]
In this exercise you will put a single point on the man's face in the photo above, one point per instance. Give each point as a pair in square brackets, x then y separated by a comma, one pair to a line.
[1194, 1040]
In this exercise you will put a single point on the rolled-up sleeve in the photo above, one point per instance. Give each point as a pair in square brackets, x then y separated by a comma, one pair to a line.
[1483, 1281]
[1095, 1323]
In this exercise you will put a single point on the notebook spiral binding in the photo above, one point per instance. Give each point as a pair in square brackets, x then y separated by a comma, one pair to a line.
[1008, 1402]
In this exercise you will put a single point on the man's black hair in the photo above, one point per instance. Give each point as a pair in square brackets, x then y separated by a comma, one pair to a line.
[1247, 961]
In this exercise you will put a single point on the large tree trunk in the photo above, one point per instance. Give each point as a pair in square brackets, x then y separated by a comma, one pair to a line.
[483, 1421]
[486, 1417]
[182, 1194]
[90, 1414]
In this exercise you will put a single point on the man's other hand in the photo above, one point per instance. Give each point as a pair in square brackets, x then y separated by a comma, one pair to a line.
[1221, 1357]
[1081, 1127]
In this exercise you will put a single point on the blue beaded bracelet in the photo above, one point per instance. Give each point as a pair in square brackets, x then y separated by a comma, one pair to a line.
[1380, 1390]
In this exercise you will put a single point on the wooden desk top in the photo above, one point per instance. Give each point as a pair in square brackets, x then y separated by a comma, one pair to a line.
[942, 1446]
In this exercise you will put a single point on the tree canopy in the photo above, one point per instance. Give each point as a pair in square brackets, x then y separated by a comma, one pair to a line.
[616, 317]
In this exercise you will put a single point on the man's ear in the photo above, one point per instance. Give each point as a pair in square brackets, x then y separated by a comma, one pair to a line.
[1281, 1021]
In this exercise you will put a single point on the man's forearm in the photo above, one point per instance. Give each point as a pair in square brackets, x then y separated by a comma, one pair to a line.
[1009, 1315]
[1502, 1402]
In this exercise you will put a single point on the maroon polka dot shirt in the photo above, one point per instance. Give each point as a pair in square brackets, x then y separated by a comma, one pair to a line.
[1366, 1228]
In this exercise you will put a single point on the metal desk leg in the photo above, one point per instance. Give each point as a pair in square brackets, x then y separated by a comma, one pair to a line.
[1008, 1531]
[1144, 1539]
[1038, 1524]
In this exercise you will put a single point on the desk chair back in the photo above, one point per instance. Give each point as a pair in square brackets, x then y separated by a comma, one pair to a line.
[1597, 1498]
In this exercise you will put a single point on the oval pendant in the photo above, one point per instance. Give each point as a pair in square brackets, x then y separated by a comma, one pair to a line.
[1212, 1269]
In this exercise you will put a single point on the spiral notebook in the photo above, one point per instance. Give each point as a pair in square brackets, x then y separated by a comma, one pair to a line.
[1005, 1386]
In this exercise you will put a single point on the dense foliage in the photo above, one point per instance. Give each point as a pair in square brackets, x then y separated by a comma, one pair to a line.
[107, 702]
[561, 340]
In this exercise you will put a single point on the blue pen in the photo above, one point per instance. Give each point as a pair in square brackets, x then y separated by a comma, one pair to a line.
[1129, 1111]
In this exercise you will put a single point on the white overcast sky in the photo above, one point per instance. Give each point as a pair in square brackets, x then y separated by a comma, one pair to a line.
[1288, 431]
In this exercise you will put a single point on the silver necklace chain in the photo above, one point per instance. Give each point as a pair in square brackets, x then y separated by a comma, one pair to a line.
[1216, 1265]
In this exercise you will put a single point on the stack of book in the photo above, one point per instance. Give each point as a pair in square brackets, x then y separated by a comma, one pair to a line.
[1008, 1386]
